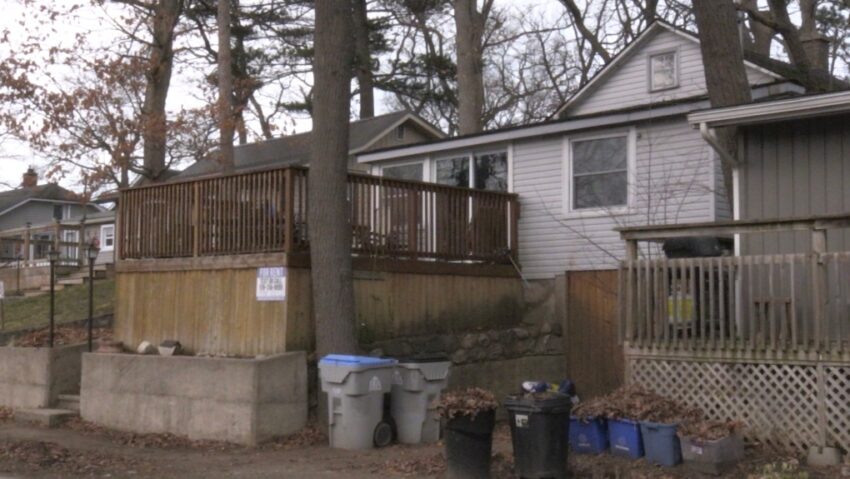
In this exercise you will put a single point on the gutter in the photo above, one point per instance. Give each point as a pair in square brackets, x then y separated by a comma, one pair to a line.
[712, 140]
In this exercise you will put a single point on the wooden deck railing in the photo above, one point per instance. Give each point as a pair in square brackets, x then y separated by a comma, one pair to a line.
[774, 303]
[267, 212]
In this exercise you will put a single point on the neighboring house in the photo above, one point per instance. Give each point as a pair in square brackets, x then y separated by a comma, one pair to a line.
[620, 153]
[99, 228]
[38, 206]
[383, 131]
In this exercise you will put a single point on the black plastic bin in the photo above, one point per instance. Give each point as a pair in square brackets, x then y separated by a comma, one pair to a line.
[539, 427]
[469, 443]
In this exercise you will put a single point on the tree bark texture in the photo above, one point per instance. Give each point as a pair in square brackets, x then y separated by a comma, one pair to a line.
[226, 120]
[469, 25]
[329, 229]
[363, 59]
[725, 75]
[166, 14]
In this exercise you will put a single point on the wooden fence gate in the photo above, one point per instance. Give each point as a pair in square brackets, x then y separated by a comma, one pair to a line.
[591, 340]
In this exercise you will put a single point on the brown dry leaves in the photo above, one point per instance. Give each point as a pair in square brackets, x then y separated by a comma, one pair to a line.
[310, 435]
[152, 440]
[708, 430]
[48, 455]
[62, 335]
[466, 402]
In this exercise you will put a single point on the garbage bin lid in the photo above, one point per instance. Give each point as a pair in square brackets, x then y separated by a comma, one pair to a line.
[347, 360]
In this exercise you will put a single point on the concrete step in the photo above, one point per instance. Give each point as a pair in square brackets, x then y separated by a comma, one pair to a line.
[44, 417]
[72, 281]
[34, 292]
[70, 402]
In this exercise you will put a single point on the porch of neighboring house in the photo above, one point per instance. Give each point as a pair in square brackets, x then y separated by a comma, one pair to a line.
[427, 258]
[759, 338]
[24, 261]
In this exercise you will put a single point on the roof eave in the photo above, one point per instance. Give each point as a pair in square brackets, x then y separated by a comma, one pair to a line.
[772, 111]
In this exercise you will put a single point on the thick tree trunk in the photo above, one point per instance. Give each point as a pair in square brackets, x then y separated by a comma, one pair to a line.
[225, 89]
[725, 76]
[363, 59]
[469, 24]
[165, 13]
[330, 232]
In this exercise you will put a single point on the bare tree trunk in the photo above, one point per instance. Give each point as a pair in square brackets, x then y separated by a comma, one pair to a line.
[363, 59]
[725, 76]
[330, 232]
[225, 89]
[469, 25]
[165, 14]
[762, 35]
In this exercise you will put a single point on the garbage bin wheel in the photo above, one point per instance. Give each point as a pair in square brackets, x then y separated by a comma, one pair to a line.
[383, 435]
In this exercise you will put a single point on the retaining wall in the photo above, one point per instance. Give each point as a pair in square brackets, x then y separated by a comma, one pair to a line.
[34, 377]
[244, 401]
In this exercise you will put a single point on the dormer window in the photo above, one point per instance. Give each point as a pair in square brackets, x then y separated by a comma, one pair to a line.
[663, 71]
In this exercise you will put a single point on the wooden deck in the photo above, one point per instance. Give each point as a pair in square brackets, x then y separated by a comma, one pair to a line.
[758, 303]
[266, 211]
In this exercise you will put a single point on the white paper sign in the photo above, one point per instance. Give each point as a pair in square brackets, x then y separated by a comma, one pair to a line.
[271, 284]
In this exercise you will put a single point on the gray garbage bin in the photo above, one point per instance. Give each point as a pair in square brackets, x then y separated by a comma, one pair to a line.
[355, 386]
[416, 387]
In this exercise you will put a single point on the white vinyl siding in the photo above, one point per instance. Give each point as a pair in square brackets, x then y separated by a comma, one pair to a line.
[673, 182]
[628, 86]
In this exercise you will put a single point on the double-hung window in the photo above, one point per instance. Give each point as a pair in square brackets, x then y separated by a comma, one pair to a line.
[409, 171]
[663, 71]
[599, 173]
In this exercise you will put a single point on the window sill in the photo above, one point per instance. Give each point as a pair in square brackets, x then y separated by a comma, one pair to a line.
[597, 212]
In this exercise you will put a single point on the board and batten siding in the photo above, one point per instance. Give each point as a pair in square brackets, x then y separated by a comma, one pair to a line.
[796, 168]
[628, 85]
[674, 182]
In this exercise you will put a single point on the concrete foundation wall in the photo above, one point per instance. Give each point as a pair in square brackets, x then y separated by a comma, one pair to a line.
[30, 278]
[34, 377]
[243, 401]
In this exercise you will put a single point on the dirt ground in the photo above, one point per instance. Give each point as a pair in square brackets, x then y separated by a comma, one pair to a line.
[79, 450]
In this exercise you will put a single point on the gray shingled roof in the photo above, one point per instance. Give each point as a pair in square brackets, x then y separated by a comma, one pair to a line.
[50, 191]
[294, 149]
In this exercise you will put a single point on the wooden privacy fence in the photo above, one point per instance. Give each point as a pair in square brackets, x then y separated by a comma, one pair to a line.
[760, 303]
[267, 211]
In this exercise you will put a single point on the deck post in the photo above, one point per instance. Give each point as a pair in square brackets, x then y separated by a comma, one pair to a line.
[818, 276]
[196, 219]
[27, 236]
[413, 223]
[631, 250]
[512, 224]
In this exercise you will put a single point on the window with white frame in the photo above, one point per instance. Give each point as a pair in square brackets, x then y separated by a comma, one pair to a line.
[107, 237]
[663, 71]
[599, 170]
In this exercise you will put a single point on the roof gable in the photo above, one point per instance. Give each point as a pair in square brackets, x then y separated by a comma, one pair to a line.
[624, 81]
[50, 192]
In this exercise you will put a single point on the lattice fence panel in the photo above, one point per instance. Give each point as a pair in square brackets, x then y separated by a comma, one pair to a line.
[837, 381]
[778, 402]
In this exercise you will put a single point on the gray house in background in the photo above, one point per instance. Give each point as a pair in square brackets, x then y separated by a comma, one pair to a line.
[382, 131]
[38, 205]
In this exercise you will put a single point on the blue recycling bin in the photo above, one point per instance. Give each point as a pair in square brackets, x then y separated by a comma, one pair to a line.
[588, 435]
[624, 438]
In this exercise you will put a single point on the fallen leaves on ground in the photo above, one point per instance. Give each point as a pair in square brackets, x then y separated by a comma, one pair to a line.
[6, 413]
[148, 440]
[638, 404]
[62, 336]
[310, 435]
[48, 455]
[708, 430]
[427, 466]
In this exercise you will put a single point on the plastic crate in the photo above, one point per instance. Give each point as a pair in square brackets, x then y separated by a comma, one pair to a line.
[712, 457]
[588, 436]
[661, 443]
[624, 438]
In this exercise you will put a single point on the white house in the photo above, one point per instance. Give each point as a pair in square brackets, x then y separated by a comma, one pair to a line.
[621, 152]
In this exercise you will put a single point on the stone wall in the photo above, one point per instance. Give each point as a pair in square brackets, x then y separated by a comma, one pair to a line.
[34, 377]
[244, 401]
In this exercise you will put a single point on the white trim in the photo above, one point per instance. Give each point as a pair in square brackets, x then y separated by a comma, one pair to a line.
[712, 183]
[545, 128]
[510, 167]
[626, 53]
[408, 117]
[379, 169]
[102, 238]
[736, 205]
[802, 107]
[568, 209]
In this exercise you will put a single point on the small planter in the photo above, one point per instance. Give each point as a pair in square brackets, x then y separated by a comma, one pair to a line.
[661, 443]
[588, 436]
[624, 438]
[469, 444]
[712, 456]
